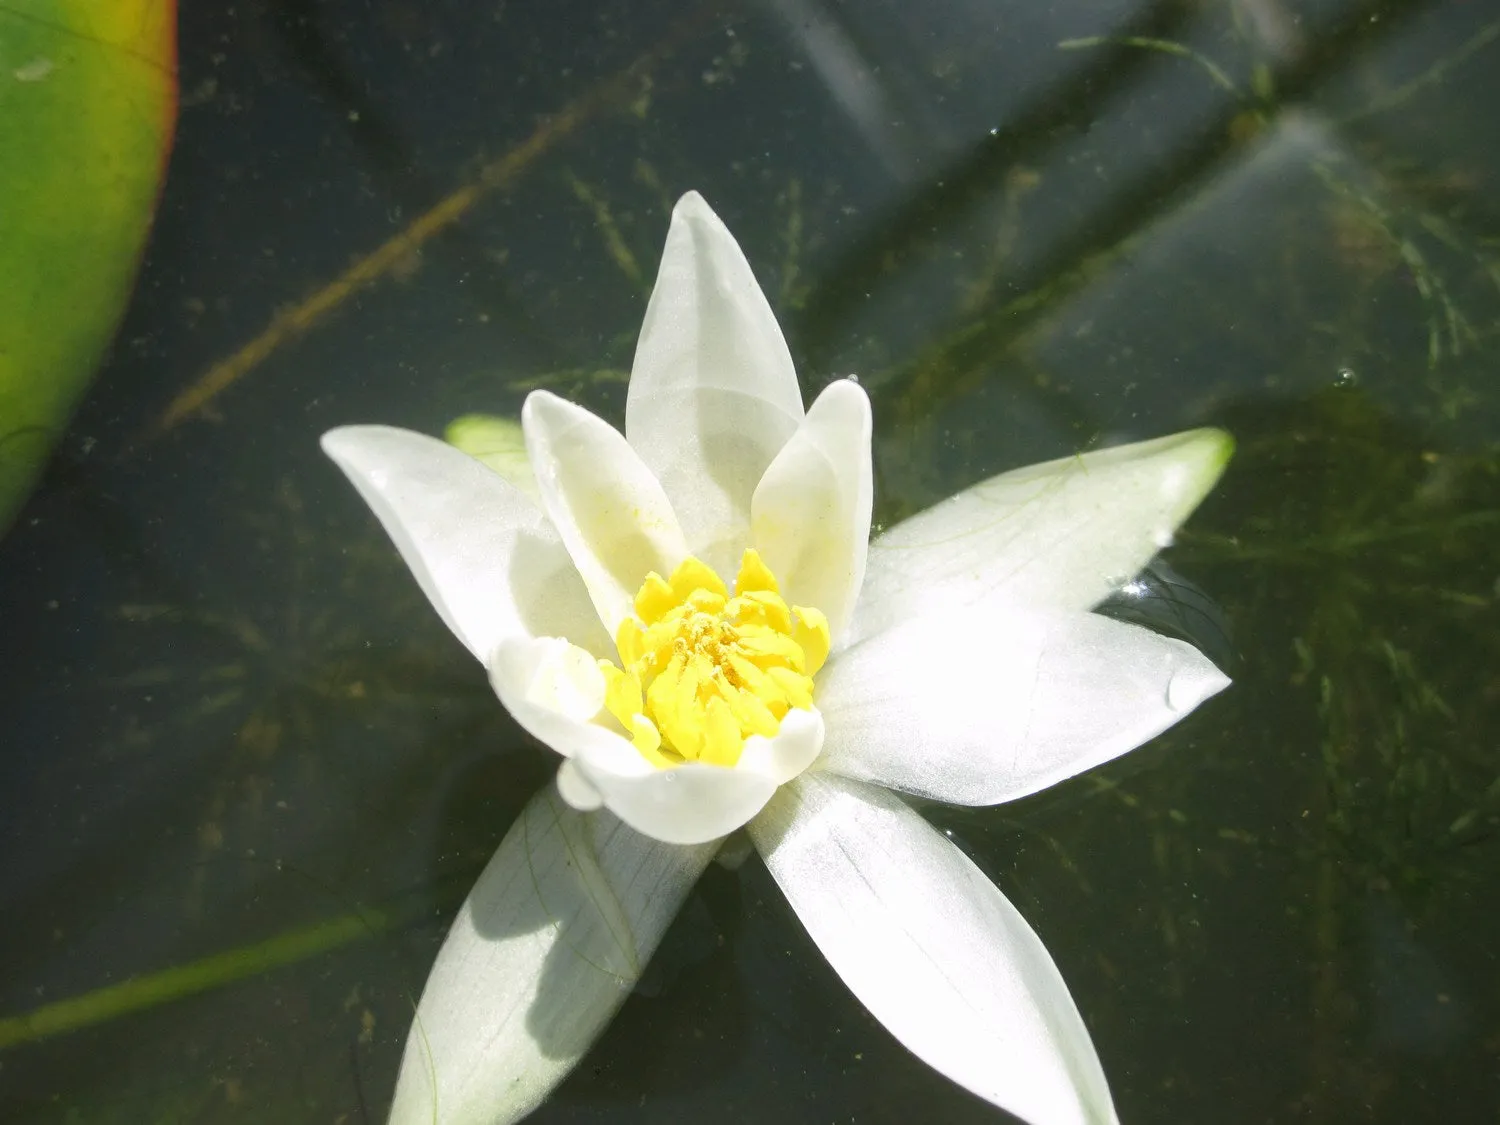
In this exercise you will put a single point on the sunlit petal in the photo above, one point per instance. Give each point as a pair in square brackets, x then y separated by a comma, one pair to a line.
[485, 555]
[686, 804]
[987, 704]
[932, 948]
[810, 516]
[790, 751]
[543, 689]
[610, 511]
[713, 394]
[1063, 534]
[550, 941]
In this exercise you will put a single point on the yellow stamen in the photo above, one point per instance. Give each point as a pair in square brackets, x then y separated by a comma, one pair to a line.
[630, 641]
[647, 740]
[622, 692]
[755, 575]
[655, 598]
[693, 575]
[811, 632]
[762, 607]
[701, 671]
[798, 689]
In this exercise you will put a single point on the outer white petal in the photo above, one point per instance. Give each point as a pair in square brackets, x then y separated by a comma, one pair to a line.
[690, 804]
[485, 555]
[810, 516]
[610, 511]
[548, 944]
[987, 704]
[932, 948]
[1064, 534]
[713, 394]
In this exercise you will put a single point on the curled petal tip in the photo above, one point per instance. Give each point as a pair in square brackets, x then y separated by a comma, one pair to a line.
[576, 789]
[1191, 684]
[691, 203]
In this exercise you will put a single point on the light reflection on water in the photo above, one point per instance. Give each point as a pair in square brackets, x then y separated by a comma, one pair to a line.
[234, 722]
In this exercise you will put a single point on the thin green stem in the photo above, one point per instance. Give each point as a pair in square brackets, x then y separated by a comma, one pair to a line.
[148, 991]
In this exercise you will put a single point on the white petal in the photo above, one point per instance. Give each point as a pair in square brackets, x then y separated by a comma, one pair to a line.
[575, 788]
[790, 751]
[810, 517]
[1063, 534]
[548, 944]
[485, 555]
[550, 693]
[554, 674]
[987, 704]
[690, 804]
[610, 511]
[713, 394]
[932, 949]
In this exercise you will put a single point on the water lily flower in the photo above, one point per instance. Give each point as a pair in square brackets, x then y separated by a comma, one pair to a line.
[693, 616]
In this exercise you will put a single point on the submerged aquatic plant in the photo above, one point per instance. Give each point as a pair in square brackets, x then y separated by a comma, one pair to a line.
[954, 658]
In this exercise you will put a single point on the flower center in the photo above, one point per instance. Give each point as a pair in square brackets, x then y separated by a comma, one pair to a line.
[701, 671]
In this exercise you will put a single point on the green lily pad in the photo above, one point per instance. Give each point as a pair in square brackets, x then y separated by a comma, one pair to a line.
[88, 100]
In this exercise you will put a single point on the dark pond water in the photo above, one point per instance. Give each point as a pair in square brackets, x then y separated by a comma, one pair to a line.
[246, 767]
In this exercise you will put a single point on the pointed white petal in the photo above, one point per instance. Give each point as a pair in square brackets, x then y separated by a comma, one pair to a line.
[810, 516]
[932, 949]
[713, 394]
[550, 941]
[610, 511]
[988, 704]
[485, 555]
[1063, 534]
[690, 804]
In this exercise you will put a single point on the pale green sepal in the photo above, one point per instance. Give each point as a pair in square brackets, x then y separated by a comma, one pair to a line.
[498, 443]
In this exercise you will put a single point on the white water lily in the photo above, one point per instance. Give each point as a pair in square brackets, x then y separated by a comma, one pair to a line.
[693, 616]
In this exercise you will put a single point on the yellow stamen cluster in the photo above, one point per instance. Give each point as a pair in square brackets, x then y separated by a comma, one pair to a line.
[701, 671]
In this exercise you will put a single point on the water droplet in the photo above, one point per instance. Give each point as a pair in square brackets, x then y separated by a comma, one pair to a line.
[1182, 692]
[34, 71]
[1346, 378]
